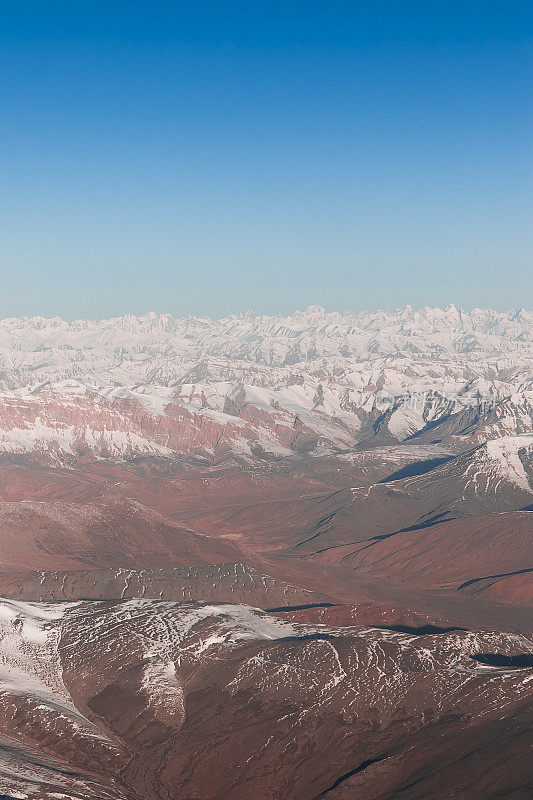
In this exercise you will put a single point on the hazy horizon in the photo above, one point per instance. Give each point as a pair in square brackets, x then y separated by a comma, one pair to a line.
[291, 312]
[211, 158]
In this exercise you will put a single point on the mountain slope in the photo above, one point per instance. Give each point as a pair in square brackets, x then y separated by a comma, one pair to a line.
[144, 699]
[260, 388]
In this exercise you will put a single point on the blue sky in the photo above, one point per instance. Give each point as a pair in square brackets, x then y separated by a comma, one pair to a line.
[207, 158]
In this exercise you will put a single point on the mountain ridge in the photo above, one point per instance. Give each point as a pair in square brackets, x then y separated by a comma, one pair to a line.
[260, 387]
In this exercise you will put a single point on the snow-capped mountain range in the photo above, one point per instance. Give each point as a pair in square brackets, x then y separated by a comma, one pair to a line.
[257, 386]
[123, 349]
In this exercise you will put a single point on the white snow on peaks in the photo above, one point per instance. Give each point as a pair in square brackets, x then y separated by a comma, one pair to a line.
[30, 663]
[152, 349]
[234, 623]
[29, 660]
[505, 453]
[404, 421]
[69, 439]
[304, 383]
[499, 463]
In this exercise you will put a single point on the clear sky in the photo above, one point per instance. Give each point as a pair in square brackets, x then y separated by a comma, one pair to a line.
[211, 157]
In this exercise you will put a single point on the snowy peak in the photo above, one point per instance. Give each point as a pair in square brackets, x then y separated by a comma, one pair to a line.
[260, 386]
[500, 465]
[508, 457]
[387, 330]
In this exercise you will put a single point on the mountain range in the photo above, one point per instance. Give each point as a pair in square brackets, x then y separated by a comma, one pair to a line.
[267, 557]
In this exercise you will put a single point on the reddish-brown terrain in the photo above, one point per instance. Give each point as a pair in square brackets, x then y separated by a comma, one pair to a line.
[380, 690]
[140, 699]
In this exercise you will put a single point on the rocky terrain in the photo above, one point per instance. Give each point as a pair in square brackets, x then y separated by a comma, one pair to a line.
[261, 388]
[267, 557]
[133, 699]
